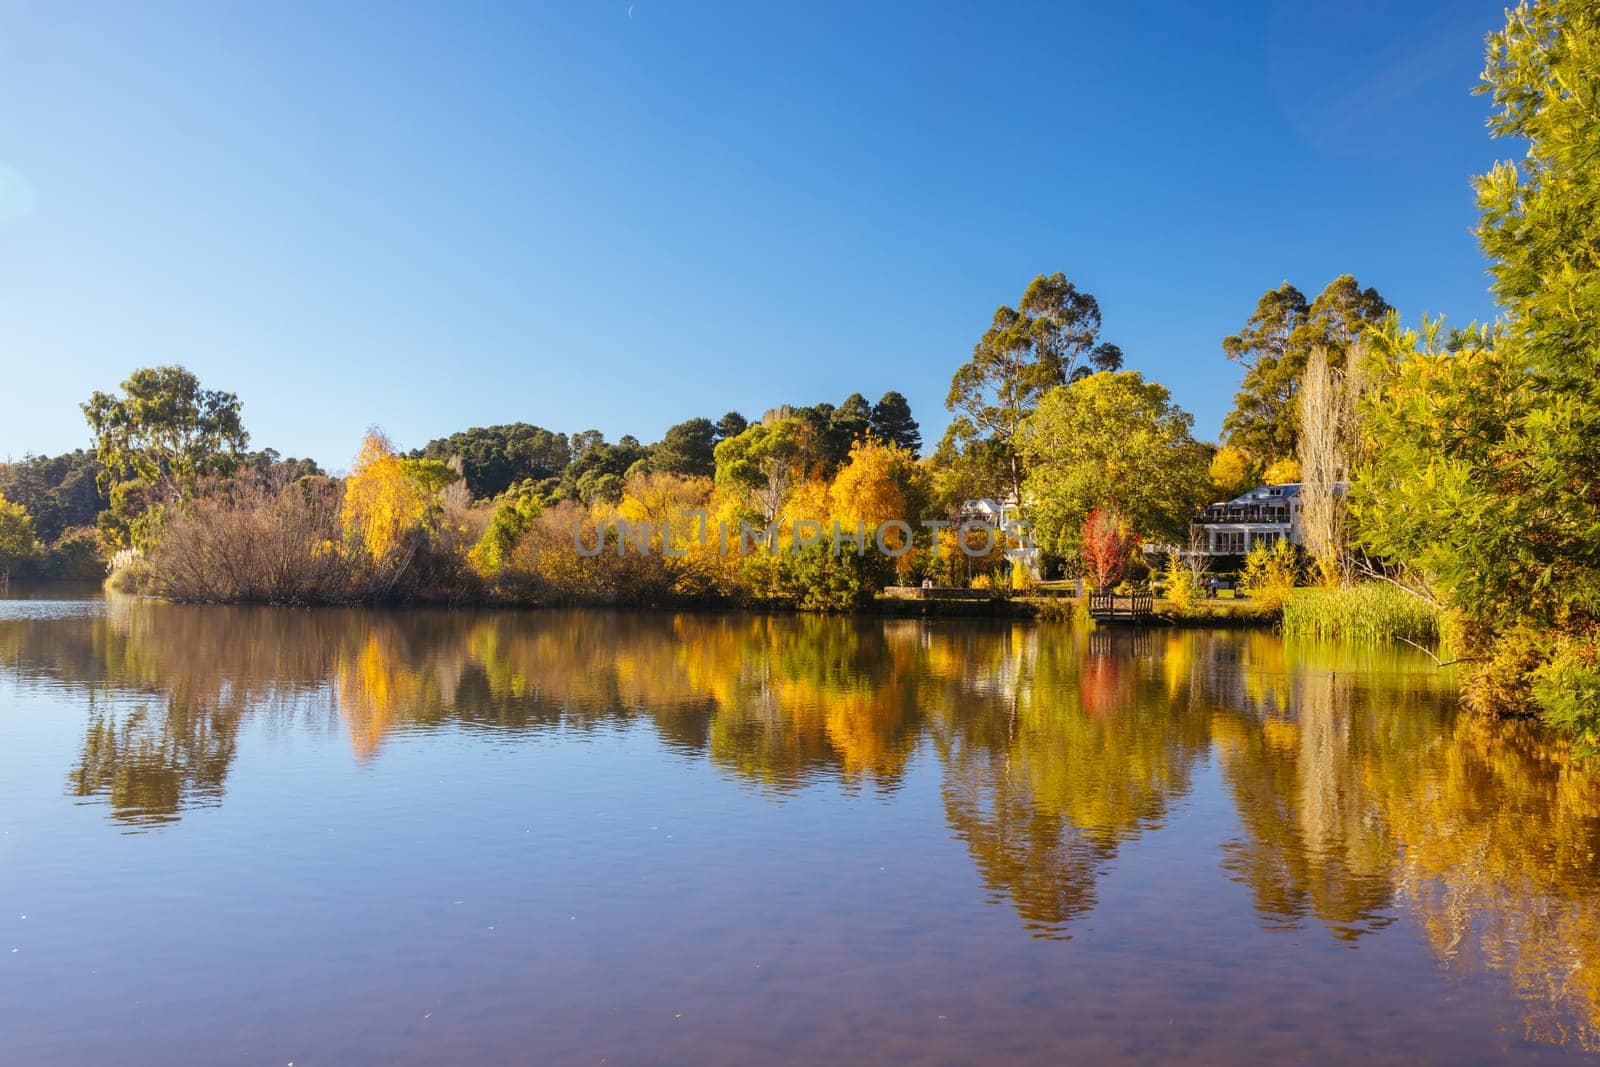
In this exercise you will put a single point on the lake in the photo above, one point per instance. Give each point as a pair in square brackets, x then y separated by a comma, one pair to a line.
[269, 836]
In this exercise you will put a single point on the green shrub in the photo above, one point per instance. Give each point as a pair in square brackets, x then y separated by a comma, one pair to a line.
[1566, 691]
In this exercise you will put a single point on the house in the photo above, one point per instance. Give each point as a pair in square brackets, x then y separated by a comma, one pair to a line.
[998, 513]
[1264, 515]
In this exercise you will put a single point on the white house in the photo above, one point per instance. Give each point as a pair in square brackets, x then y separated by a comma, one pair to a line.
[1264, 515]
[998, 513]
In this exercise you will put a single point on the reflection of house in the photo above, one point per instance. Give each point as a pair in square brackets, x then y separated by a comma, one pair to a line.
[1265, 515]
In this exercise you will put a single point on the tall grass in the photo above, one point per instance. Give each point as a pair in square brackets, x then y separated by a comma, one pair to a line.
[1371, 612]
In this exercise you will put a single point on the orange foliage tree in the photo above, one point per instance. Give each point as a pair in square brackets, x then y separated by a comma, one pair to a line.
[1108, 541]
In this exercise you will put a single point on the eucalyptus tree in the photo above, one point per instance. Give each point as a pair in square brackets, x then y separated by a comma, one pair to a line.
[1050, 338]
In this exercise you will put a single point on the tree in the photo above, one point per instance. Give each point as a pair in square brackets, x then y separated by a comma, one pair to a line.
[686, 450]
[1270, 574]
[1273, 348]
[60, 492]
[494, 458]
[1108, 543]
[1111, 437]
[871, 487]
[17, 543]
[1329, 439]
[1051, 338]
[1183, 580]
[514, 514]
[1483, 465]
[598, 469]
[1232, 472]
[759, 466]
[892, 422]
[850, 422]
[388, 502]
[731, 425]
[165, 429]
[1282, 472]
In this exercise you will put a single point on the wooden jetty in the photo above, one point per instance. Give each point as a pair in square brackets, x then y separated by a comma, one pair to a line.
[1116, 607]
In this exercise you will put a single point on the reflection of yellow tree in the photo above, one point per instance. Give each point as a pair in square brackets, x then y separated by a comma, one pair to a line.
[1360, 795]
[1501, 830]
[376, 688]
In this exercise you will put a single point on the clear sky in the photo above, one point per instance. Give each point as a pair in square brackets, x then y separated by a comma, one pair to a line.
[621, 215]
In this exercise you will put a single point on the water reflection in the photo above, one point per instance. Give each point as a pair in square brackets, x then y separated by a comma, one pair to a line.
[1359, 796]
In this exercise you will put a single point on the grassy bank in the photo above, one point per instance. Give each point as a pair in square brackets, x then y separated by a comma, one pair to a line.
[1369, 612]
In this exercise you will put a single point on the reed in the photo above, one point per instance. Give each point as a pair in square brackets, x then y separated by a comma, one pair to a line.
[1370, 612]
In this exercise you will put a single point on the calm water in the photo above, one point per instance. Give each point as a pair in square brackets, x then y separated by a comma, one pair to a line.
[264, 836]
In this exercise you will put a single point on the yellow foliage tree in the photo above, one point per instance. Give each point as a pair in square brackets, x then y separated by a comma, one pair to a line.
[383, 501]
[17, 541]
[1282, 471]
[1230, 472]
[868, 488]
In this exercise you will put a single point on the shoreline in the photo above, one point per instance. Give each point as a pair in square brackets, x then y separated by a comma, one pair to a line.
[1233, 615]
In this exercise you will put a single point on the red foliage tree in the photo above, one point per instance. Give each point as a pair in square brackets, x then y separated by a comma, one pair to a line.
[1107, 544]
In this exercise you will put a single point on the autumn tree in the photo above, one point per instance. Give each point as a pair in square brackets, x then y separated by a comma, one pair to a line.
[1273, 348]
[1111, 437]
[878, 484]
[1050, 338]
[1108, 543]
[1270, 574]
[17, 543]
[1483, 468]
[1232, 472]
[388, 502]
[1283, 471]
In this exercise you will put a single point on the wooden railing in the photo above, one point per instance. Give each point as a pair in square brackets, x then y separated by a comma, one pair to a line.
[1121, 606]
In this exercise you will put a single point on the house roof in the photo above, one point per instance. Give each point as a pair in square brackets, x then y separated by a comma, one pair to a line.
[1266, 494]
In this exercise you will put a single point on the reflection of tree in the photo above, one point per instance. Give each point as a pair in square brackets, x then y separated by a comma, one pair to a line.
[168, 687]
[1083, 748]
[1043, 864]
[1298, 745]
[1501, 830]
[151, 763]
[1359, 794]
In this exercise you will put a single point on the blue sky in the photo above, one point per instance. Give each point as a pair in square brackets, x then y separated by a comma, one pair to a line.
[620, 215]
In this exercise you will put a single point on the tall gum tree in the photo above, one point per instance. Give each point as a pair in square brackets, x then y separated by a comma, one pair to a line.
[1274, 348]
[1050, 338]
